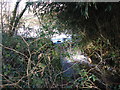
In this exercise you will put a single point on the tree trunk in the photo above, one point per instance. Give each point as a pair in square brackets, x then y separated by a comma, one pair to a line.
[12, 21]
[15, 19]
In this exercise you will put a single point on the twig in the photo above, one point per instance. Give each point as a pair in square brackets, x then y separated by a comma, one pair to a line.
[14, 50]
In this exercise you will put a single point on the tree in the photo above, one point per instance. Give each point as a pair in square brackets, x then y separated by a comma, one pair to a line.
[93, 20]
[99, 23]
[16, 18]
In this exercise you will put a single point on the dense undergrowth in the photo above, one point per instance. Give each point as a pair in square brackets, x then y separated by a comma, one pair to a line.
[39, 53]
[35, 63]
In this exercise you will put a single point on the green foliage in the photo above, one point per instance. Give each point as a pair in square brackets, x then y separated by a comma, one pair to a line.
[16, 54]
[95, 29]
[45, 68]
[97, 24]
